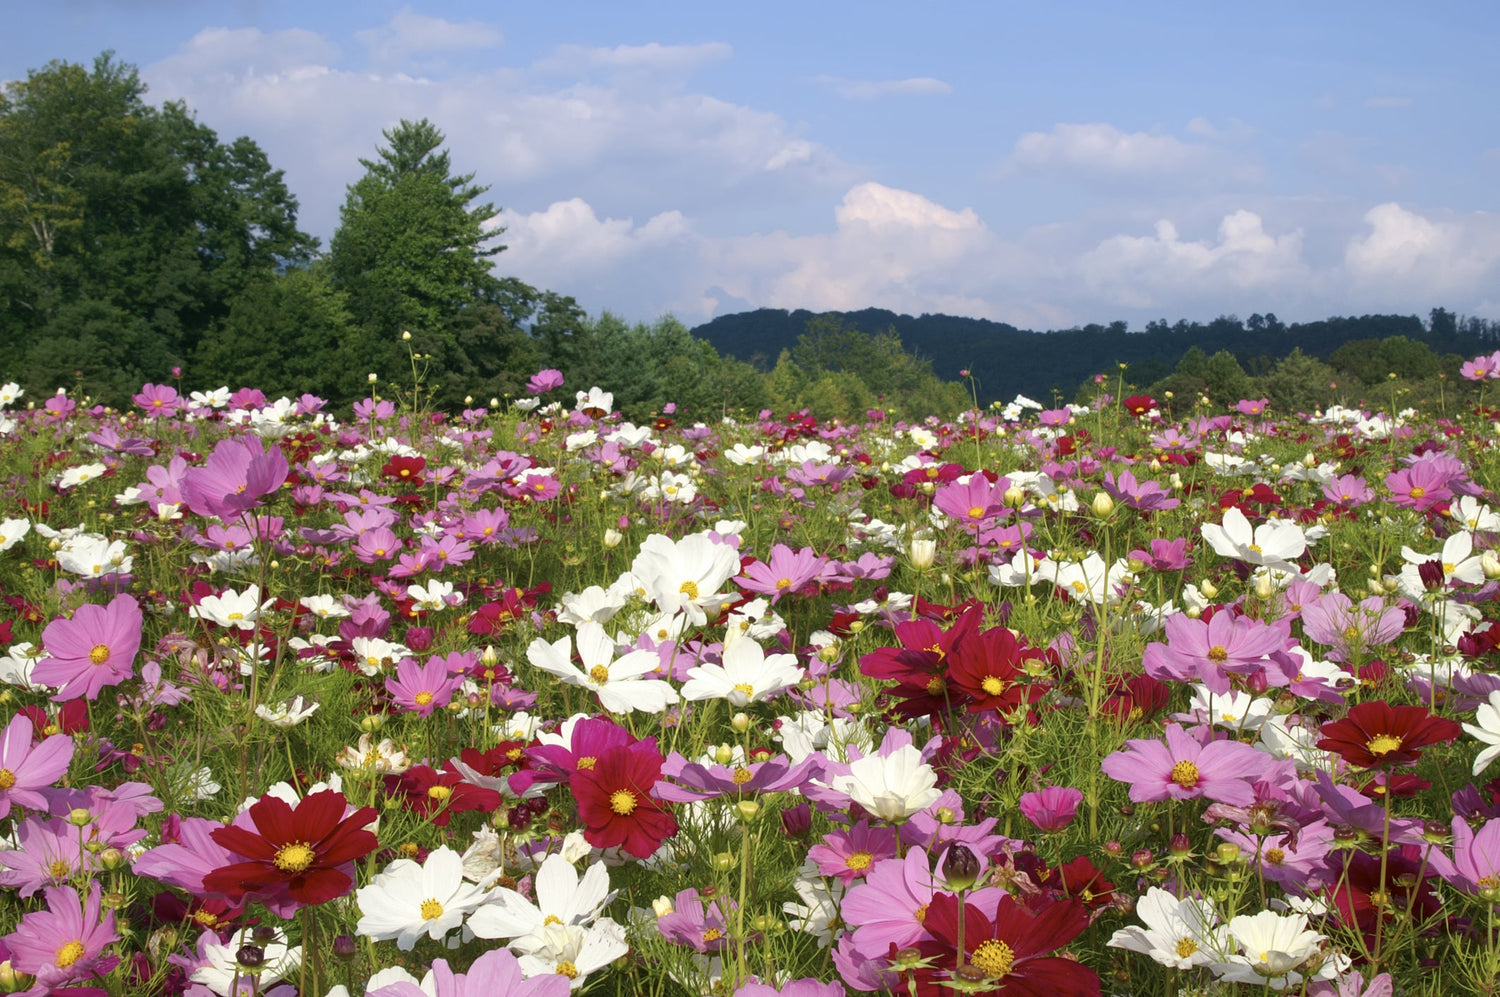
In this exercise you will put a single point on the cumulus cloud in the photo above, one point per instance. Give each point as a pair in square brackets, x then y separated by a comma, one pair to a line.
[409, 34]
[1141, 271]
[535, 138]
[915, 86]
[1100, 150]
[1406, 253]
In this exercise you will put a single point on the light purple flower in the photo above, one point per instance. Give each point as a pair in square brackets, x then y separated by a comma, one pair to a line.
[1052, 808]
[1186, 769]
[26, 768]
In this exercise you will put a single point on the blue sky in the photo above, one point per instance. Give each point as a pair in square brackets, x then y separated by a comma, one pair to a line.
[1043, 164]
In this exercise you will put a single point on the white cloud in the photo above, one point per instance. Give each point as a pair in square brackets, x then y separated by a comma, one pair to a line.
[409, 34]
[652, 56]
[1143, 271]
[915, 86]
[1405, 253]
[1100, 152]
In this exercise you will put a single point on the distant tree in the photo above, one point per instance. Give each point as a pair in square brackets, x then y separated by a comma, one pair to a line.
[109, 206]
[412, 250]
[1298, 383]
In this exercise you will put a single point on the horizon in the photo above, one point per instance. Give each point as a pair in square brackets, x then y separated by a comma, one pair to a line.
[1043, 168]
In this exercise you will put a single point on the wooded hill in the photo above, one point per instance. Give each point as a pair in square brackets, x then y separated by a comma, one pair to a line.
[1005, 360]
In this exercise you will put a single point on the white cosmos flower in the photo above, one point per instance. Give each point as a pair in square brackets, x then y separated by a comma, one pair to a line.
[221, 971]
[406, 901]
[746, 675]
[561, 897]
[892, 786]
[619, 684]
[1271, 543]
[324, 607]
[79, 475]
[434, 596]
[1487, 729]
[240, 610]
[11, 532]
[684, 576]
[1272, 946]
[93, 556]
[575, 951]
[1178, 933]
[286, 714]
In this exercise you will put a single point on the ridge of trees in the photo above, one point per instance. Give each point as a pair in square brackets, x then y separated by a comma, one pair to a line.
[1005, 361]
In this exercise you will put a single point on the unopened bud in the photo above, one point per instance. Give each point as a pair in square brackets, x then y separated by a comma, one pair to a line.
[923, 553]
[1102, 505]
[960, 867]
[612, 538]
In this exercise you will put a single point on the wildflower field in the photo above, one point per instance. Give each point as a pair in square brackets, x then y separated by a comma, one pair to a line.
[533, 699]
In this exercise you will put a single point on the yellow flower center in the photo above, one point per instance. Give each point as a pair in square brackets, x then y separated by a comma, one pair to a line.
[1186, 947]
[566, 968]
[746, 688]
[1218, 653]
[920, 914]
[992, 685]
[439, 793]
[431, 910]
[294, 857]
[712, 935]
[1417, 491]
[551, 919]
[859, 860]
[1185, 774]
[993, 958]
[207, 918]
[689, 589]
[1275, 856]
[936, 685]
[7, 779]
[976, 512]
[783, 583]
[1383, 744]
[59, 870]
[1351, 632]
[622, 802]
[587, 763]
[99, 654]
[422, 698]
[69, 954]
[599, 673]
[741, 776]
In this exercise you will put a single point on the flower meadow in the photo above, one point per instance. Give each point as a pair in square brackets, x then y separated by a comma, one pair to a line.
[534, 700]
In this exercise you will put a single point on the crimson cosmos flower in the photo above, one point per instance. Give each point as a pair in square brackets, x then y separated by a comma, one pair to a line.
[1012, 953]
[1379, 735]
[294, 854]
[615, 801]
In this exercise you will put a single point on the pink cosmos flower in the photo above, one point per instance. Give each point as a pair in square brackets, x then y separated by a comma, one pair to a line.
[95, 648]
[65, 941]
[1349, 630]
[498, 971]
[1185, 769]
[1348, 489]
[1419, 487]
[787, 571]
[1145, 496]
[422, 689]
[974, 503]
[1252, 406]
[1210, 652]
[236, 476]
[1052, 808]
[848, 855]
[26, 768]
[544, 380]
[158, 401]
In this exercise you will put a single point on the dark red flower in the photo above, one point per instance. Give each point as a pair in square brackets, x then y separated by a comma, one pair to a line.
[439, 795]
[1139, 405]
[988, 668]
[615, 801]
[919, 666]
[295, 855]
[1011, 953]
[1379, 735]
[405, 469]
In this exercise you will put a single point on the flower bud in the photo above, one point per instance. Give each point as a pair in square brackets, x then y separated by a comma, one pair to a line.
[723, 754]
[345, 948]
[740, 722]
[960, 867]
[612, 538]
[1491, 564]
[724, 861]
[662, 906]
[748, 810]
[1208, 588]
[1103, 506]
[796, 821]
[923, 553]
[1264, 588]
[250, 956]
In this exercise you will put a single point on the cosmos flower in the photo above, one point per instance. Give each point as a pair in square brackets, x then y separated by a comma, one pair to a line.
[561, 897]
[25, 768]
[407, 900]
[1376, 734]
[616, 803]
[1183, 769]
[295, 855]
[65, 941]
[93, 649]
[745, 675]
[1180, 933]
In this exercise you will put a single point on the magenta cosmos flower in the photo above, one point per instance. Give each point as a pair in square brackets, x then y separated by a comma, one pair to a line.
[235, 477]
[422, 689]
[496, 972]
[64, 942]
[26, 768]
[95, 648]
[1184, 769]
[1051, 809]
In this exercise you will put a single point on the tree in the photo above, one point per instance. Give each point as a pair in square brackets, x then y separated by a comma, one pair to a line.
[113, 211]
[413, 246]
